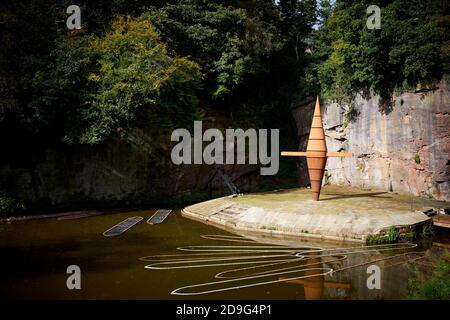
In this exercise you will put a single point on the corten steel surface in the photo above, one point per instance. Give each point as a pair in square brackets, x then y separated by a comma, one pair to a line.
[316, 153]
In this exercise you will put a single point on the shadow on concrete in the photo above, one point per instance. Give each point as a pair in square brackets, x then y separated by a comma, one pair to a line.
[358, 195]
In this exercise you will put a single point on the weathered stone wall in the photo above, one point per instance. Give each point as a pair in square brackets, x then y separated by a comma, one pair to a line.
[405, 149]
[133, 171]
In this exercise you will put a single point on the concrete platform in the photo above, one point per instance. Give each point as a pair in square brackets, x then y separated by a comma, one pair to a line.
[342, 214]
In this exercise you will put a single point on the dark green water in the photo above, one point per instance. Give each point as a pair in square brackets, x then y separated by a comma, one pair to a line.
[35, 255]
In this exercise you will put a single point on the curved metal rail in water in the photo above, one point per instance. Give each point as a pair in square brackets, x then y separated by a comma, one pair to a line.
[275, 258]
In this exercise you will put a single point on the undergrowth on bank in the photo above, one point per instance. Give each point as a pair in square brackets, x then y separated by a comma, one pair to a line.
[434, 285]
[393, 235]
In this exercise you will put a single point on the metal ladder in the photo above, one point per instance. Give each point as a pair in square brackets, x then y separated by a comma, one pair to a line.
[226, 180]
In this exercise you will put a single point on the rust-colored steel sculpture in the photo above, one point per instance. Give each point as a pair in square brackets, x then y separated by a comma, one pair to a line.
[316, 153]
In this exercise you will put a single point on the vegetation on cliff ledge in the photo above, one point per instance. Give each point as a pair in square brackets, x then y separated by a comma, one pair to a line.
[410, 49]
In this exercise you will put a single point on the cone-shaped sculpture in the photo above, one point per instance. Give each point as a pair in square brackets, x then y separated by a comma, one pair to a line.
[316, 153]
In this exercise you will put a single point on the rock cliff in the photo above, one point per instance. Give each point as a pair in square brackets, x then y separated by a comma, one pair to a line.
[405, 148]
[131, 171]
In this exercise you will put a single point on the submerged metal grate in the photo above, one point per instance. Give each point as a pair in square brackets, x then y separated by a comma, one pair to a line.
[121, 227]
[159, 216]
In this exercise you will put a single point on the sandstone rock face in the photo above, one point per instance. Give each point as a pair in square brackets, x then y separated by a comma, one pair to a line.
[405, 149]
[133, 171]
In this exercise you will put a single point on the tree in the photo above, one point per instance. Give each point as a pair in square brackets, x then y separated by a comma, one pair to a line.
[105, 84]
[229, 44]
[407, 51]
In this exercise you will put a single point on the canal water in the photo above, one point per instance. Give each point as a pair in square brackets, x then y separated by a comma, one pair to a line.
[35, 255]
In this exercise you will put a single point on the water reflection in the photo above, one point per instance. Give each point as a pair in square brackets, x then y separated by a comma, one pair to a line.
[37, 253]
[316, 282]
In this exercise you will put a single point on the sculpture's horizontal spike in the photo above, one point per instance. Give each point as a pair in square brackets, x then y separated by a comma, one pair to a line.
[316, 154]
[293, 154]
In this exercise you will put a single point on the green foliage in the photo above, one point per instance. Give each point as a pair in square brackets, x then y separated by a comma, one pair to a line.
[229, 44]
[435, 286]
[427, 231]
[9, 204]
[148, 65]
[243, 58]
[350, 115]
[410, 236]
[114, 79]
[392, 235]
[251, 54]
[409, 49]
[417, 158]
